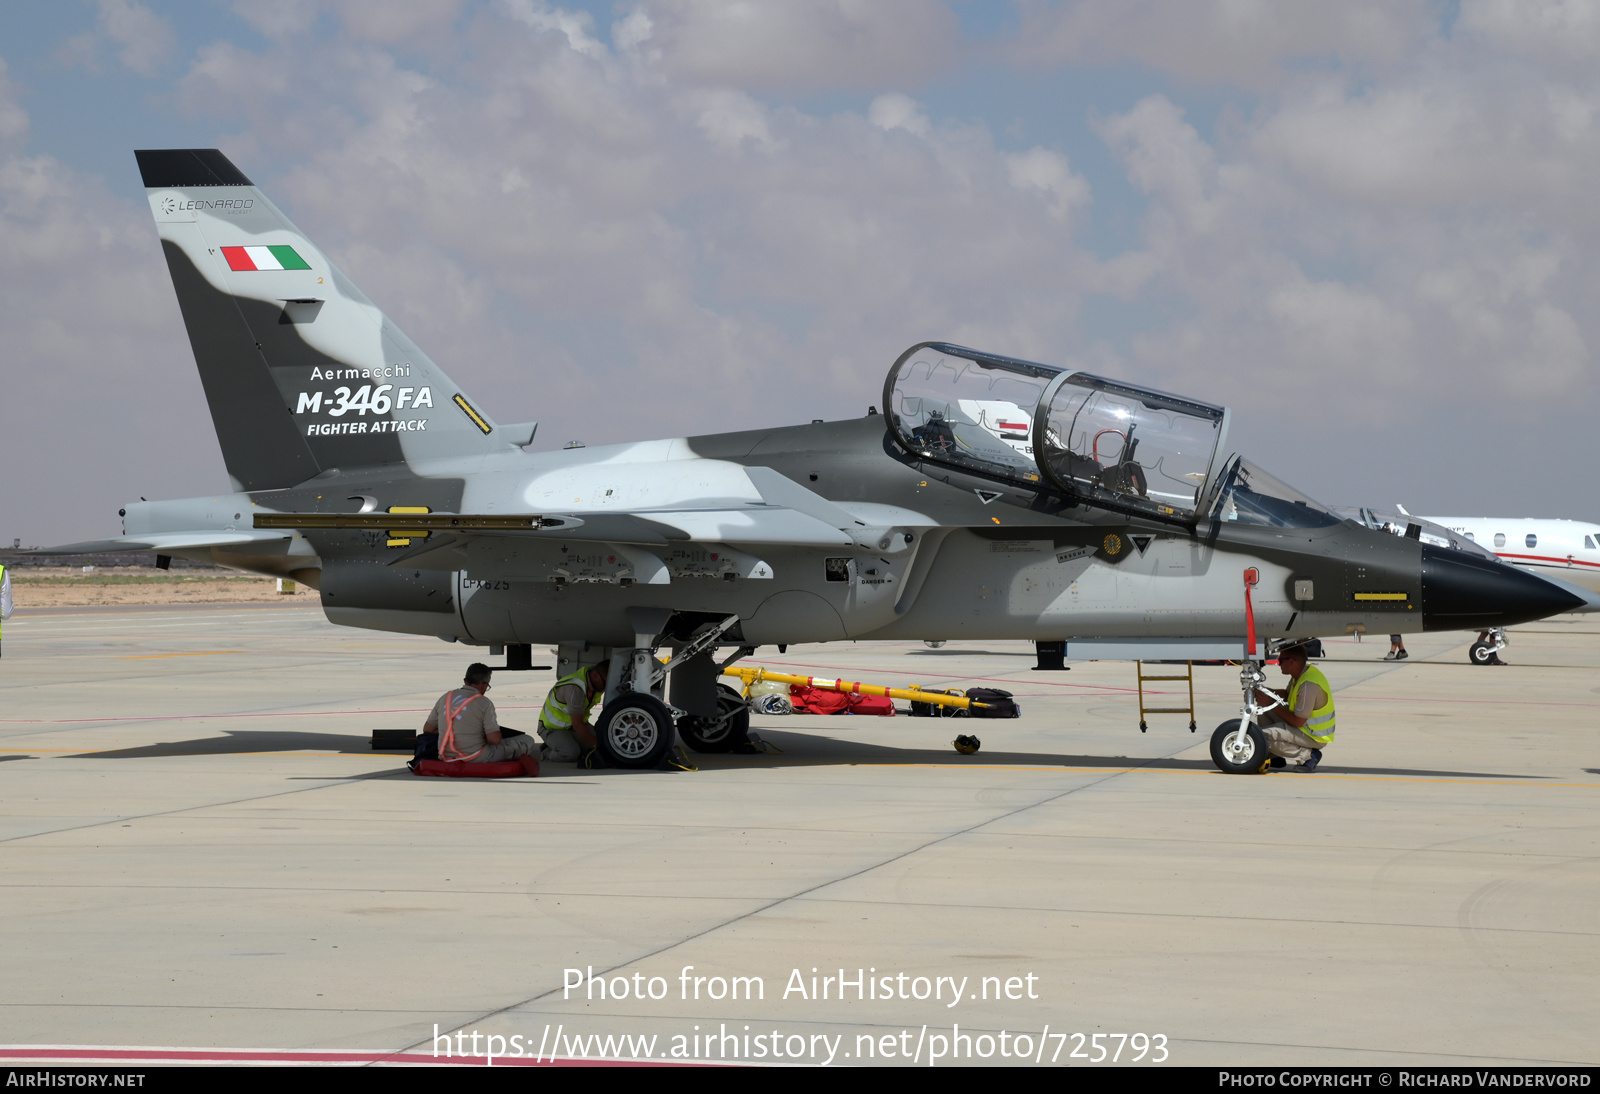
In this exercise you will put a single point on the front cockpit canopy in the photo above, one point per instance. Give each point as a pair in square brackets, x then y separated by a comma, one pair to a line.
[1130, 449]
[1251, 496]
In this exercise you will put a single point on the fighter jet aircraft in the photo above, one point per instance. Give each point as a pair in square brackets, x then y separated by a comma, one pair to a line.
[993, 498]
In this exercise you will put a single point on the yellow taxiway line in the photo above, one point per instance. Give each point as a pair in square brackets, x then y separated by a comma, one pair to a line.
[154, 656]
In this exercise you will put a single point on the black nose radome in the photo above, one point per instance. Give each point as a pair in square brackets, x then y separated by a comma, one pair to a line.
[1463, 592]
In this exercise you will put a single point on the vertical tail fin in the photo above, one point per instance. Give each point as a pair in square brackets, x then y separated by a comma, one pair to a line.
[302, 372]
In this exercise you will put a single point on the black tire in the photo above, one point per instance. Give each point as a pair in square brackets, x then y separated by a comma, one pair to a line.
[635, 731]
[1248, 761]
[727, 731]
[1481, 653]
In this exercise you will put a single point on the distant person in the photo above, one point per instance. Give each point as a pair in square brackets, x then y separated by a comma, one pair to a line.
[5, 592]
[1297, 732]
[1397, 649]
[465, 721]
[564, 721]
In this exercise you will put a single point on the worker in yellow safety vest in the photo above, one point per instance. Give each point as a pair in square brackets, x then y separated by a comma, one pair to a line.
[1298, 731]
[564, 721]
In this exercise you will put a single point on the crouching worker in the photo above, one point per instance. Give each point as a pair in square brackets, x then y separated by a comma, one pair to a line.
[1298, 731]
[564, 721]
[466, 726]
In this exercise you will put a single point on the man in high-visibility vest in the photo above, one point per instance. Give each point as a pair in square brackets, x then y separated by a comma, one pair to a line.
[467, 727]
[564, 721]
[1298, 731]
[5, 592]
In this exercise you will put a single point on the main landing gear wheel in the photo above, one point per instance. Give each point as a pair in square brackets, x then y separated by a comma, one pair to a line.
[1481, 653]
[727, 731]
[635, 731]
[1236, 754]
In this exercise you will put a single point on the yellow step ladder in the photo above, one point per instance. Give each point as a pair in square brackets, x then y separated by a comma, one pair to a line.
[1188, 675]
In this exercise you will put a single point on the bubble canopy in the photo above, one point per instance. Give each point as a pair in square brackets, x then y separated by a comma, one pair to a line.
[1130, 449]
[1251, 496]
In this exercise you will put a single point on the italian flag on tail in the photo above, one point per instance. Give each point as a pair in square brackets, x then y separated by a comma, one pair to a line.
[278, 257]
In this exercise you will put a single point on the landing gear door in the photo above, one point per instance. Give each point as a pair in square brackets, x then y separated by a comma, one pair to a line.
[1130, 449]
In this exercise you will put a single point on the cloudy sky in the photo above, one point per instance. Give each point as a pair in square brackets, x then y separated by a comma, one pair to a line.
[1370, 227]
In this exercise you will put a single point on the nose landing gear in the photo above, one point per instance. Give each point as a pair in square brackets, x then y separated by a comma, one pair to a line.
[1237, 753]
[1486, 651]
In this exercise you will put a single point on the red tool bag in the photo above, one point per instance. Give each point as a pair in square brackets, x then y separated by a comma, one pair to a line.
[465, 769]
[809, 700]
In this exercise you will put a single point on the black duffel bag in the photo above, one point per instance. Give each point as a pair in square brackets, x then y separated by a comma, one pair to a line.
[936, 710]
[1000, 703]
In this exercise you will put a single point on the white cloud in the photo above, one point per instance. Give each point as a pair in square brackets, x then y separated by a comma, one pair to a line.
[1562, 32]
[576, 27]
[730, 118]
[1399, 211]
[389, 22]
[279, 18]
[1497, 133]
[1503, 312]
[803, 45]
[13, 119]
[1042, 169]
[144, 40]
[1166, 157]
[1452, 270]
[897, 111]
[1249, 43]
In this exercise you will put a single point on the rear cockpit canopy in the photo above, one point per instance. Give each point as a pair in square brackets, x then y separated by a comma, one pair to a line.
[1129, 449]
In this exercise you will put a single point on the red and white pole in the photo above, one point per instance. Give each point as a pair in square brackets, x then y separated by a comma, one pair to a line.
[1251, 577]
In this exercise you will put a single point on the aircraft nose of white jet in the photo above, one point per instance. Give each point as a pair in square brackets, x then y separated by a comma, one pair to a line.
[1464, 592]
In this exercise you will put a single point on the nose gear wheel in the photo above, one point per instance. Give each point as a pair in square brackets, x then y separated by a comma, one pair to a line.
[1239, 754]
[635, 731]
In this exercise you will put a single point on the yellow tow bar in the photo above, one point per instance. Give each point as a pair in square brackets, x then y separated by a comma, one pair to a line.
[752, 676]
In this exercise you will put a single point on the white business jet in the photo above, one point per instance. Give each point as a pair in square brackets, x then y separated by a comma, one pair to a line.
[1565, 549]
